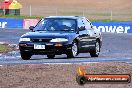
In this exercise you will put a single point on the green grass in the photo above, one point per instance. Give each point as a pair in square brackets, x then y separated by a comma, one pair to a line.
[21, 17]
[39, 17]
[4, 48]
[108, 20]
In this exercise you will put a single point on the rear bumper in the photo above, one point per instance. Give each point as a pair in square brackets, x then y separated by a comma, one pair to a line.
[49, 49]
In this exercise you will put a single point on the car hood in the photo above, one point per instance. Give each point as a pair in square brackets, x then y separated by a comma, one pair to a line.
[48, 35]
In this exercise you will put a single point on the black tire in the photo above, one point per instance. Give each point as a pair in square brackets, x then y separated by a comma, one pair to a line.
[95, 51]
[73, 52]
[25, 56]
[51, 56]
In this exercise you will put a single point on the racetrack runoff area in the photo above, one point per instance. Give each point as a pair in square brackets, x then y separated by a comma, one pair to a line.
[119, 10]
[59, 75]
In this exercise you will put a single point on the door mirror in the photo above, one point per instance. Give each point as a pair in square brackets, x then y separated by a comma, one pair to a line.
[82, 28]
[31, 28]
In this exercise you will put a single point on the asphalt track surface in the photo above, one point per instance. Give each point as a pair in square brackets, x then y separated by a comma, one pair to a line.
[115, 48]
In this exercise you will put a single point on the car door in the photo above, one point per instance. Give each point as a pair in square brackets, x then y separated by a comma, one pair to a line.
[90, 39]
[92, 32]
[83, 35]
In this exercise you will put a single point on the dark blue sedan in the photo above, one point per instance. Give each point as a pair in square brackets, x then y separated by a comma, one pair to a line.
[56, 35]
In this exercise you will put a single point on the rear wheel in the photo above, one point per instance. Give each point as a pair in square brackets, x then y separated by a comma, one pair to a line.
[25, 56]
[73, 52]
[95, 52]
[51, 56]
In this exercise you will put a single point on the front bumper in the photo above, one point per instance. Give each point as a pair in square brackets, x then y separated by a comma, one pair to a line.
[49, 49]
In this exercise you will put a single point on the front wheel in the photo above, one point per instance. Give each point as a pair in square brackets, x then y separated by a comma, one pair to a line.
[73, 52]
[25, 56]
[95, 52]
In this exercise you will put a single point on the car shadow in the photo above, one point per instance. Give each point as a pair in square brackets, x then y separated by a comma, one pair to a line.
[60, 58]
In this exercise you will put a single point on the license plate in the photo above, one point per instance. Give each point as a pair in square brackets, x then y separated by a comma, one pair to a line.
[39, 46]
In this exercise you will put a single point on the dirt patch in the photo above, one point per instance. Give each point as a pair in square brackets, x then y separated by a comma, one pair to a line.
[93, 9]
[58, 76]
[93, 4]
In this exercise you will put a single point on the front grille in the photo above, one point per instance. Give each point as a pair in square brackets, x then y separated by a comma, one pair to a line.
[40, 40]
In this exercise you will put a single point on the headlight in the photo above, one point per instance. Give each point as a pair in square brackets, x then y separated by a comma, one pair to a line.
[24, 39]
[59, 40]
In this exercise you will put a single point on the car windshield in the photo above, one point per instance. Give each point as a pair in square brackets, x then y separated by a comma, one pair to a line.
[56, 24]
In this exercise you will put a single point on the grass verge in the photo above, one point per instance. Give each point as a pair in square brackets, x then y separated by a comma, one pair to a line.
[21, 17]
[40, 17]
[4, 48]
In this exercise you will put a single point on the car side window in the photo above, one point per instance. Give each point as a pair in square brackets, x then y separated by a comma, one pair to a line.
[87, 24]
[80, 23]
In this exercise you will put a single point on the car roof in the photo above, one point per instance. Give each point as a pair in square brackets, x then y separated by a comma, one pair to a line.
[68, 17]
